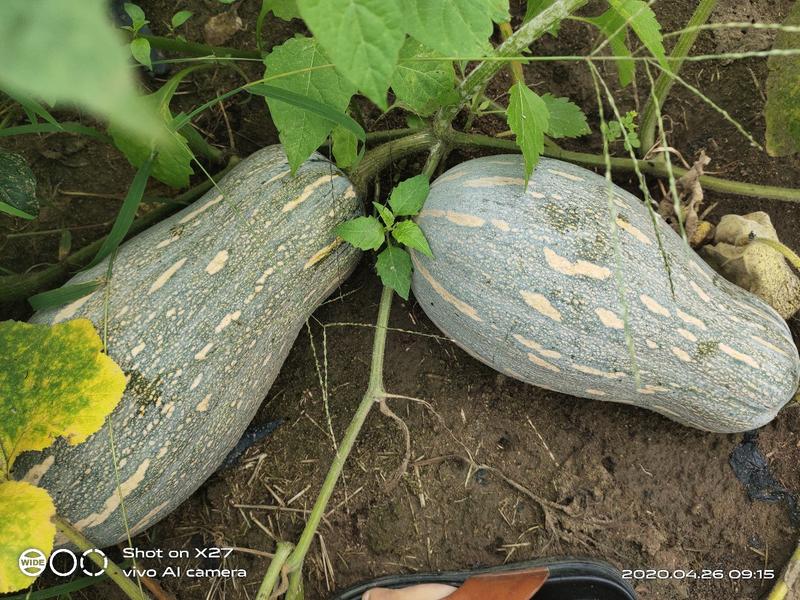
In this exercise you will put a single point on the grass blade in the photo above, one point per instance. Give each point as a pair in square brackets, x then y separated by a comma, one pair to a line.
[58, 128]
[15, 212]
[311, 105]
[64, 295]
[126, 214]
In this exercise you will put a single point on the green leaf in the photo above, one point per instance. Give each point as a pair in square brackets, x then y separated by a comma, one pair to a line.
[345, 147]
[365, 233]
[783, 92]
[302, 131]
[26, 521]
[54, 382]
[63, 295]
[451, 27]
[386, 215]
[138, 19]
[409, 233]
[172, 163]
[140, 50]
[69, 52]
[423, 86]
[126, 214]
[362, 37]
[180, 17]
[528, 119]
[499, 10]
[642, 19]
[17, 187]
[409, 196]
[394, 269]
[613, 27]
[565, 118]
[306, 103]
[283, 9]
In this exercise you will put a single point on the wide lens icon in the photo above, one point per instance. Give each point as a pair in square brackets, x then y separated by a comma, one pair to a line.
[32, 562]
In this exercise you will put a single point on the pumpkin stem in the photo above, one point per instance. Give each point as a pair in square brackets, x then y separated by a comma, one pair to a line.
[378, 158]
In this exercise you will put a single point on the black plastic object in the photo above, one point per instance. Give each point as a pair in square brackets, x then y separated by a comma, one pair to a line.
[569, 579]
[252, 435]
[752, 469]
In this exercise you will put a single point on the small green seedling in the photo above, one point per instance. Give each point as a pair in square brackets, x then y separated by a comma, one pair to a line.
[178, 19]
[140, 47]
[399, 234]
[614, 131]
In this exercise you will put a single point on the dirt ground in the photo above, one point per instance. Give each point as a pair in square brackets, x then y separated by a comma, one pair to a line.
[627, 485]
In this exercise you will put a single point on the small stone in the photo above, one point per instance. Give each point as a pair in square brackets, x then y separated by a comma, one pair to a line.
[220, 28]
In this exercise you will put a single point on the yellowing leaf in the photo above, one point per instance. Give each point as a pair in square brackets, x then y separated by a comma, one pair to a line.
[26, 514]
[54, 381]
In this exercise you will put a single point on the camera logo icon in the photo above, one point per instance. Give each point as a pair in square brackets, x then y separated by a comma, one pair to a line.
[32, 562]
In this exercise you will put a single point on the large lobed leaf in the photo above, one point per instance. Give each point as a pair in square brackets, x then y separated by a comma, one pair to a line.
[26, 514]
[54, 382]
[783, 92]
[301, 131]
[173, 160]
[451, 27]
[69, 52]
[423, 85]
[362, 37]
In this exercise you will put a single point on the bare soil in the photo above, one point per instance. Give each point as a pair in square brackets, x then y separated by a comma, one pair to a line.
[630, 486]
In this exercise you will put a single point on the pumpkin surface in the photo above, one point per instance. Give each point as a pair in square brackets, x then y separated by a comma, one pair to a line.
[526, 281]
[202, 310]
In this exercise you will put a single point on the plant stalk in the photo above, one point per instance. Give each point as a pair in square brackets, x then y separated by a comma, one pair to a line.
[378, 158]
[675, 61]
[112, 570]
[513, 46]
[195, 49]
[374, 393]
[273, 573]
[651, 167]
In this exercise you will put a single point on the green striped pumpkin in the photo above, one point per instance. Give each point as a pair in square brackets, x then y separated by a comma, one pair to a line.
[202, 311]
[525, 280]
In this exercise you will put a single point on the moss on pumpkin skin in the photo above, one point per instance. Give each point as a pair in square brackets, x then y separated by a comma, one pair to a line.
[147, 392]
[705, 349]
[563, 219]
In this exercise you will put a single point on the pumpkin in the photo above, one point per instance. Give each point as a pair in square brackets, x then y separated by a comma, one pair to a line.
[526, 281]
[202, 311]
